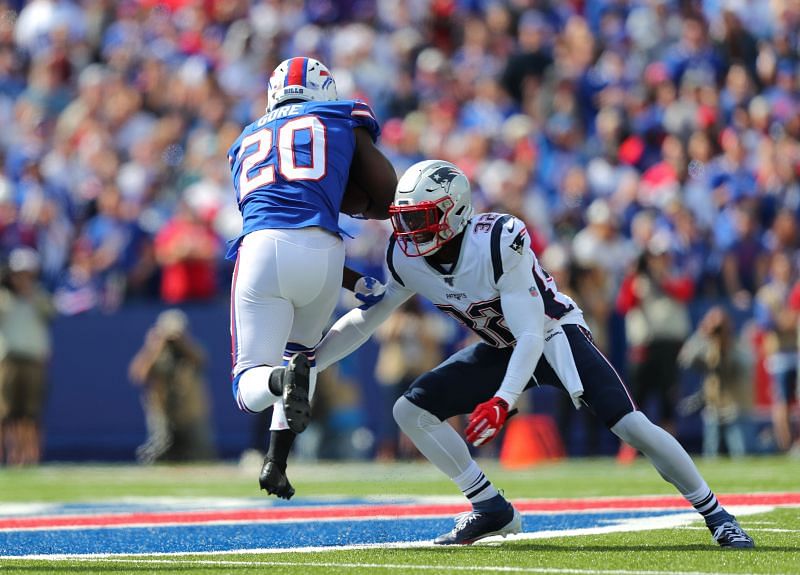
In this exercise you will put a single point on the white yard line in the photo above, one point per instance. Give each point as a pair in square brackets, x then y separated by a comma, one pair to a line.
[404, 567]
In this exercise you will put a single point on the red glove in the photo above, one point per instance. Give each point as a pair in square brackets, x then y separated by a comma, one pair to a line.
[486, 421]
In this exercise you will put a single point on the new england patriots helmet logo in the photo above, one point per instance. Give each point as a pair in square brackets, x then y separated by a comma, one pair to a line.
[443, 177]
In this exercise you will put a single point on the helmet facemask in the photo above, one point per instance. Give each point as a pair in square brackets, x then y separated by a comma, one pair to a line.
[423, 228]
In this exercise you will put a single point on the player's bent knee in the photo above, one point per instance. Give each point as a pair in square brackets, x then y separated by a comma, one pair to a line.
[410, 416]
[635, 430]
[251, 389]
[404, 412]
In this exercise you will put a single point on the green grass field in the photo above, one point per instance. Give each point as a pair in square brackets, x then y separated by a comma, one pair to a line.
[684, 550]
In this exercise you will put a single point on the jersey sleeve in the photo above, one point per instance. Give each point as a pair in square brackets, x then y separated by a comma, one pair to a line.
[362, 116]
[510, 244]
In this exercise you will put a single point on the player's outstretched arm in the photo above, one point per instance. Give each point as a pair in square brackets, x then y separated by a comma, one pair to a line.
[374, 174]
[355, 327]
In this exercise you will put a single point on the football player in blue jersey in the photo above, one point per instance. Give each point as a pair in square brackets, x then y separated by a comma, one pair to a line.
[291, 169]
[480, 269]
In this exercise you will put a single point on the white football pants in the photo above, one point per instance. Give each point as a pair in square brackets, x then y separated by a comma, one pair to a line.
[285, 287]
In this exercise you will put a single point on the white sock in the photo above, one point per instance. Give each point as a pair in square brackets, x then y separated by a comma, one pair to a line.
[254, 392]
[474, 485]
[279, 422]
[706, 504]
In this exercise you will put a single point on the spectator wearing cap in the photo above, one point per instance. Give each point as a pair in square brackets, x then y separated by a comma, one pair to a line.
[25, 313]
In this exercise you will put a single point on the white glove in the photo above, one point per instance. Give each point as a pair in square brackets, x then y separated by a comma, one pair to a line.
[369, 291]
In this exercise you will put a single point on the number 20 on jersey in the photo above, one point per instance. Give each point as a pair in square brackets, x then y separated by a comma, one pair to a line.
[257, 172]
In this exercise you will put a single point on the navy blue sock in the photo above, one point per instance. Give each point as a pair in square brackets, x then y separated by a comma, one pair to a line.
[718, 518]
[493, 505]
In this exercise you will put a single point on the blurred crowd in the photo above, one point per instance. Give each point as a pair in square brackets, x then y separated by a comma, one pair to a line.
[652, 147]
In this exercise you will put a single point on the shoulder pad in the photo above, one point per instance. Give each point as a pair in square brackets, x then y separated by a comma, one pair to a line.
[509, 243]
[357, 112]
[363, 117]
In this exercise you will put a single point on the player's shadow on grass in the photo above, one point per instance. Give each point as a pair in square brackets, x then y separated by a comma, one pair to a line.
[623, 548]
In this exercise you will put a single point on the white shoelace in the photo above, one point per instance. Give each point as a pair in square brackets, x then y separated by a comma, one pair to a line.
[734, 532]
[464, 519]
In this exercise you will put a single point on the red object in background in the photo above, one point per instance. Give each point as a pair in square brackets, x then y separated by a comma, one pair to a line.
[706, 116]
[631, 150]
[529, 440]
[762, 392]
[525, 152]
[794, 297]
[171, 5]
[626, 296]
[191, 277]
[660, 174]
[538, 241]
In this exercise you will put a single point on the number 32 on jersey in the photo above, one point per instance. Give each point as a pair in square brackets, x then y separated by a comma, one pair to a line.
[305, 133]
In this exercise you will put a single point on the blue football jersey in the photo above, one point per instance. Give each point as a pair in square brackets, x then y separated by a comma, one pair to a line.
[290, 167]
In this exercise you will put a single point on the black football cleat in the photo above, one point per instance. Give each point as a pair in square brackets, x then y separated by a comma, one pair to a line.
[730, 535]
[473, 526]
[295, 393]
[273, 479]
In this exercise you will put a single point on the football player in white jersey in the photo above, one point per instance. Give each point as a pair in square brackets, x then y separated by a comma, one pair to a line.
[481, 270]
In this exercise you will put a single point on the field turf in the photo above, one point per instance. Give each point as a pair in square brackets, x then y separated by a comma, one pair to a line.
[682, 550]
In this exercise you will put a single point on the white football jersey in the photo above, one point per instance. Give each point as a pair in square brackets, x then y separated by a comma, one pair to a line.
[468, 292]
